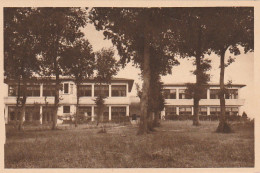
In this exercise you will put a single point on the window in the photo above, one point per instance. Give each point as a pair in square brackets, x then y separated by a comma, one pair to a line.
[169, 93]
[32, 113]
[47, 114]
[203, 110]
[66, 88]
[185, 110]
[11, 113]
[85, 111]
[214, 110]
[85, 90]
[170, 110]
[117, 113]
[101, 90]
[214, 93]
[232, 94]
[105, 113]
[66, 109]
[33, 90]
[183, 94]
[12, 90]
[118, 90]
[48, 90]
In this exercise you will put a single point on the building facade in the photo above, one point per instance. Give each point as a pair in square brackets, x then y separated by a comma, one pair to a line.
[178, 102]
[40, 99]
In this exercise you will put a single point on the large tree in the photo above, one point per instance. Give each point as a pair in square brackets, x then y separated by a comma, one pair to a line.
[191, 35]
[20, 49]
[106, 67]
[135, 31]
[57, 28]
[231, 28]
[79, 62]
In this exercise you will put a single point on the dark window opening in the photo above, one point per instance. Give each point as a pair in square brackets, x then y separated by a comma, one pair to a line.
[185, 110]
[48, 90]
[33, 90]
[169, 93]
[66, 109]
[170, 110]
[118, 90]
[214, 110]
[232, 94]
[101, 90]
[214, 93]
[85, 111]
[85, 90]
[105, 113]
[183, 94]
[66, 88]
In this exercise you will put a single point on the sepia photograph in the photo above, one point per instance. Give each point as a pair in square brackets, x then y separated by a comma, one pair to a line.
[129, 87]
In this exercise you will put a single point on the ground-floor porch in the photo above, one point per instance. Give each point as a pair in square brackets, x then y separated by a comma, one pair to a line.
[208, 112]
[43, 114]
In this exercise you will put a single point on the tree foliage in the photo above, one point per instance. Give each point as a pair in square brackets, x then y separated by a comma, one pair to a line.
[20, 49]
[106, 67]
[135, 32]
[56, 29]
[78, 62]
[230, 28]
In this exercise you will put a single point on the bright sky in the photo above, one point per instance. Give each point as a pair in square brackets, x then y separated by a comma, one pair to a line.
[240, 72]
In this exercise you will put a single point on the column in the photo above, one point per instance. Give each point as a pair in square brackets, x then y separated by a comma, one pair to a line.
[92, 113]
[178, 110]
[109, 113]
[208, 110]
[6, 114]
[192, 110]
[109, 89]
[208, 94]
[92, 90]
[177, 93]
[41, 116]
[127, 110]
[41, 90]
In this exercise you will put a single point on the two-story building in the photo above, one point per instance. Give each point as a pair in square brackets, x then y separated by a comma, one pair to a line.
[178, 102]
[40, 99]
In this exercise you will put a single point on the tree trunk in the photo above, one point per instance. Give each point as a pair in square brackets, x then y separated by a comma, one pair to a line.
[196, 112]
[56, 102]
[150, 121]
[21, 118]
[22, 114]
[223, 127]
[17, 109]
[143, 127]
[196, 98]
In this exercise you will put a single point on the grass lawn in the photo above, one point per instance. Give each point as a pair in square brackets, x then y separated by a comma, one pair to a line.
[176, 144]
